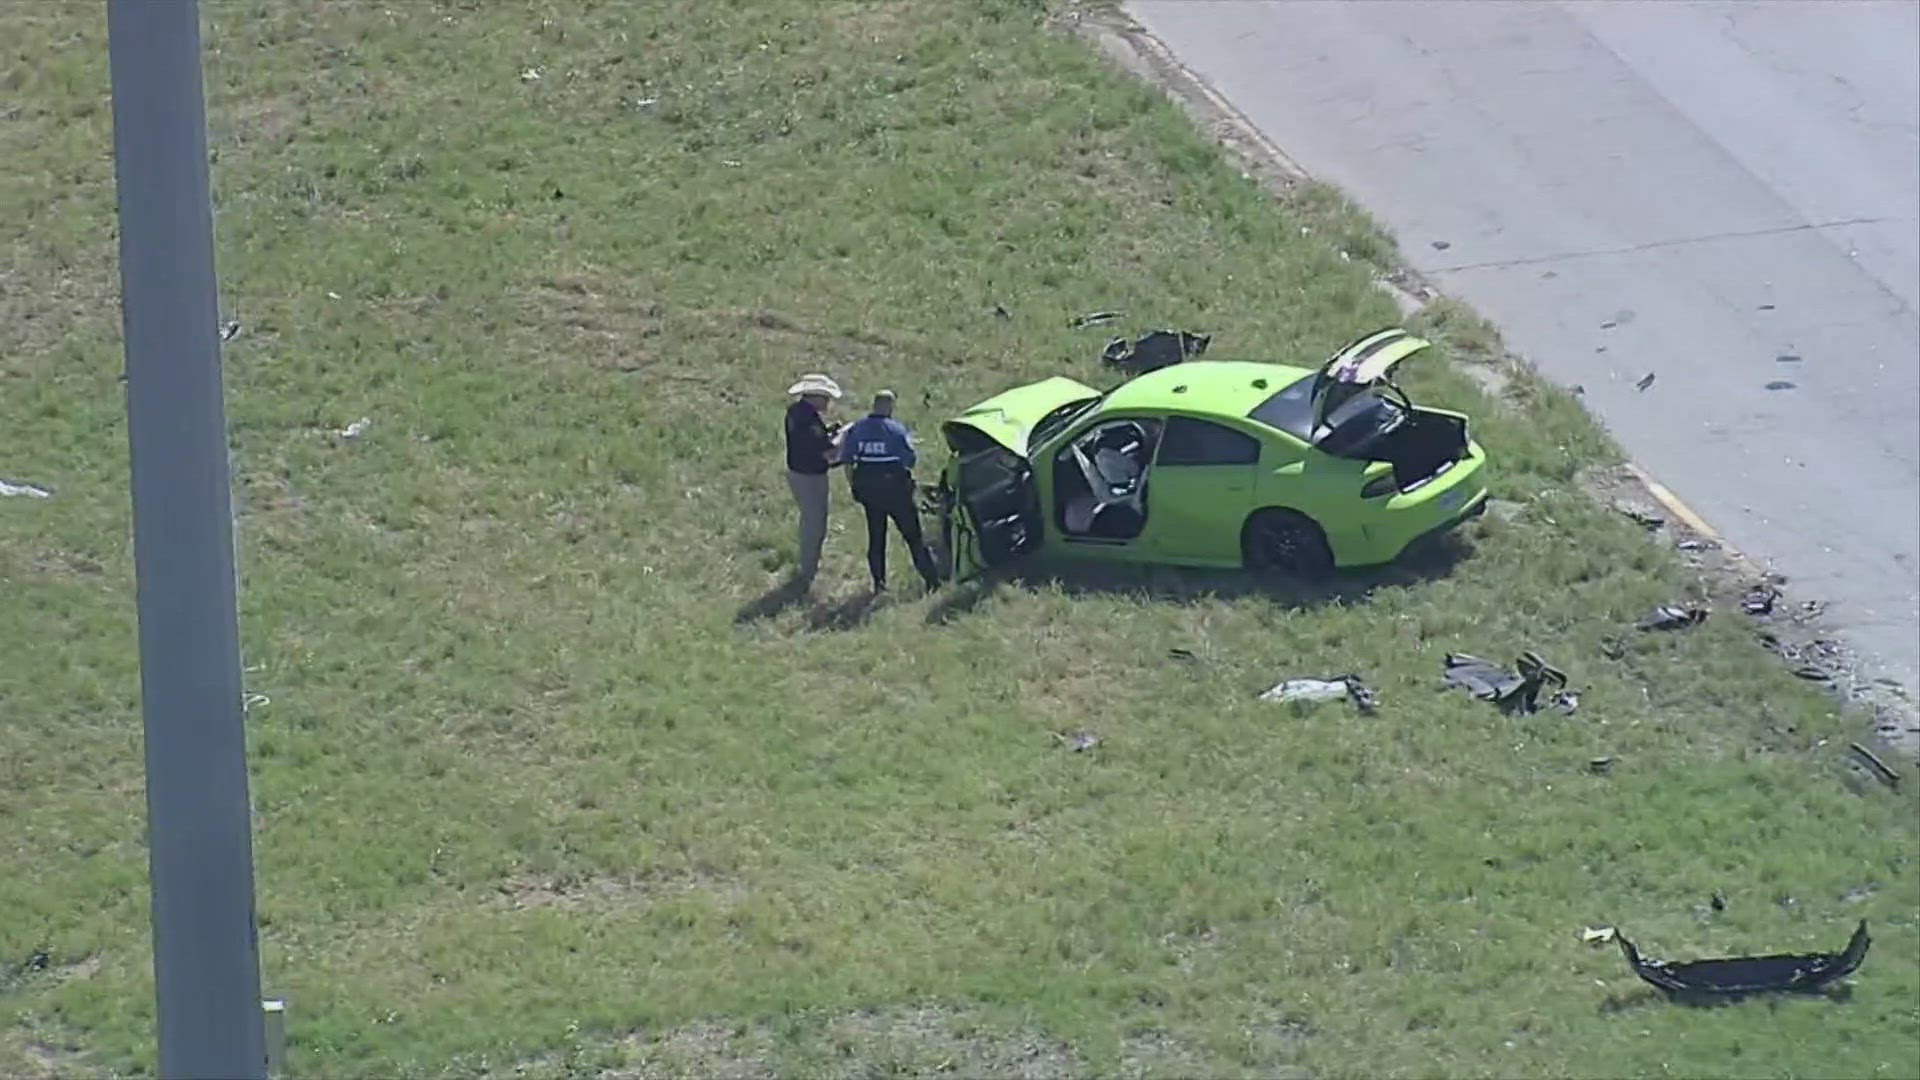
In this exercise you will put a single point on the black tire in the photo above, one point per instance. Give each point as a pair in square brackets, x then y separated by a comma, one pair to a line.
[1286, 542]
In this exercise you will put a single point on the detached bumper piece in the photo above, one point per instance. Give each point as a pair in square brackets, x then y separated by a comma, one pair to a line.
[1151, 352]
[1508, 691]
[1795, 972]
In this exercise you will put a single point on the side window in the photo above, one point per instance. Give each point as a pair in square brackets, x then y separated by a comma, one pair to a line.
[1199, 442]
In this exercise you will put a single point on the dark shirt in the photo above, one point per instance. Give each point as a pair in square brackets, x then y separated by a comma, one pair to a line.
[879, 441]
[808, 441]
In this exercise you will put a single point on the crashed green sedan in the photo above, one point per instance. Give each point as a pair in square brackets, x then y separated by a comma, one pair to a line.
[1211, 463]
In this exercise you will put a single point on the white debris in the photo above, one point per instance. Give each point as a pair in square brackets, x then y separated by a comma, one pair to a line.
[530, 75]
[1597, 935]
[355, 429]
[1307, 690]
[32, 491]
[641, 103]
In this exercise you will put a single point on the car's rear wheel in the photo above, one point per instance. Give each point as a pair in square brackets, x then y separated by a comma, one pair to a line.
[1285, 541]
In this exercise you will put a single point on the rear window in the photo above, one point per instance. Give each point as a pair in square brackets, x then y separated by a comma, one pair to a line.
[1290, 410]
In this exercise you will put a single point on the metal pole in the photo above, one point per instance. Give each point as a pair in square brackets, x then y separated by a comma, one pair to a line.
[205, 956]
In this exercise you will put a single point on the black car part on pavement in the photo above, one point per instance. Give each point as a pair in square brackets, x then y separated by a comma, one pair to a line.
[1799, 972]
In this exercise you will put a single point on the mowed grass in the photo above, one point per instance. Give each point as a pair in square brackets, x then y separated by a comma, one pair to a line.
[533, 798]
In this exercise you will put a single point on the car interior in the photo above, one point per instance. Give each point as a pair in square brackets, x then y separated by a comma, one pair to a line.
[1100, 481]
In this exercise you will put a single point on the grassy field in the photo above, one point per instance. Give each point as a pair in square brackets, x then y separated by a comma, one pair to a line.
[544, 789]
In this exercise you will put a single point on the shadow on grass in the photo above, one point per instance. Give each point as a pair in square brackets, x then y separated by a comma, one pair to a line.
[788, 594]
[845, 614]
[1648, 997]
[1185, 585]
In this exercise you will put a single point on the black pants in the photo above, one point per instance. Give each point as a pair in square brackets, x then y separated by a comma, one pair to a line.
[886, 493]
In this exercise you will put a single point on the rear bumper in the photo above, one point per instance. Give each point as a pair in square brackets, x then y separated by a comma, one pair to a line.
[1474, 508]
[1394, 530]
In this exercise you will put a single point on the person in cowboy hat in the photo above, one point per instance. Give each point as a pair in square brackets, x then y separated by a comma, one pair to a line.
[812, 449]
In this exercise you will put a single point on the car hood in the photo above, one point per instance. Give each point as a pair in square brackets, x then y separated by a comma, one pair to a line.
[1008, 418]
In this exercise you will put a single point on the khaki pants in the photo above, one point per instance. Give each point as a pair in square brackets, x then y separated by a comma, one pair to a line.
[810, 492]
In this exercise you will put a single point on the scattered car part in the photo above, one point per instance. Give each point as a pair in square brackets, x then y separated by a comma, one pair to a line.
[1717, 901]
[1000, 311]
[1643, 518]
[1566, 701]
[1153, 351]
[1599, 765]
[1759, 599]
[355, 429]
[21, 487]
[1083, 321]
[1880, 768]
[1597, 935]
[1797, 972]
[1509, 691]
[1645, 381]
[1673, 617]
[1182, 654]
[229, 331]
[1078, 741]
[1342, 686]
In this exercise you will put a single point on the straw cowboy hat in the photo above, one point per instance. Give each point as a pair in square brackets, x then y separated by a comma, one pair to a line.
[815, 383]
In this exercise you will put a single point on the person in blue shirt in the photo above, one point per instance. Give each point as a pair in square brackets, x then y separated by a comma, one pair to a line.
[878, 450]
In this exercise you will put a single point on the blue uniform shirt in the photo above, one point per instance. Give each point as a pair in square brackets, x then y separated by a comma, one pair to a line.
[878, 440]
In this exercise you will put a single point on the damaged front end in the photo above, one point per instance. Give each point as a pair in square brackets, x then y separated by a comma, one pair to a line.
[1791, 972]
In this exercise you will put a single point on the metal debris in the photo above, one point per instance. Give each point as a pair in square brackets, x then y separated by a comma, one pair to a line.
[1077, 741]
[1645, 381]
[1342, 686]
[1880, 768]
[1599, 765]
[1000, 311]
[355, 429]
[1759, 600]
[1597, 935]
[1673, 617]
[21, 487]
[1640, 517]
[230, 331]
[1566, 701]
[1083, 321]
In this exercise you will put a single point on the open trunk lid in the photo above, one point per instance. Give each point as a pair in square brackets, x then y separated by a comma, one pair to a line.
[1359, 412]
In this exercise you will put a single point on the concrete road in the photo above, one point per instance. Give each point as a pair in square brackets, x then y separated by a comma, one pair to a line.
[1721, 194]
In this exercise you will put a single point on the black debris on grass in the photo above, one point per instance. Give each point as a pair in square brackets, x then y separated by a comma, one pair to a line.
[1509, 691]
[1153, 351]
[1793, 972]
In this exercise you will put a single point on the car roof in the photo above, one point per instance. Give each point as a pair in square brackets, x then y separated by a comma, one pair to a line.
[1219, 387]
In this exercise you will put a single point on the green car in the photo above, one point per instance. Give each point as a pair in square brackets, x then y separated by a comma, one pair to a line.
[1211, 463]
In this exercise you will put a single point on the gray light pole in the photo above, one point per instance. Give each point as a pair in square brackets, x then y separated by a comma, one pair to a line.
[205, 958]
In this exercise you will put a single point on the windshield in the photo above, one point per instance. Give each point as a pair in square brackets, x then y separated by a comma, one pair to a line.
[1290, 410]
[1052, 423]
[1350, 427]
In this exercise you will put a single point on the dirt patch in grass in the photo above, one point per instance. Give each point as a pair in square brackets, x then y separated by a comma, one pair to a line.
[529, 892]
[921, 1041]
